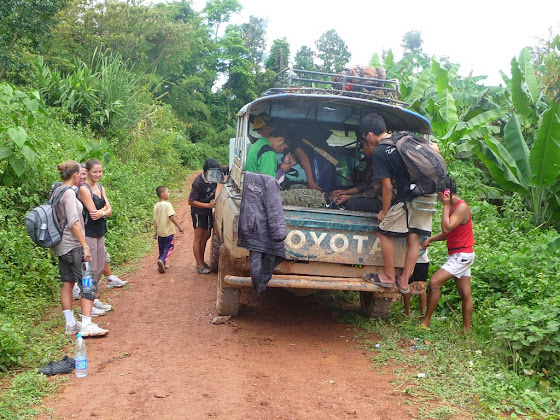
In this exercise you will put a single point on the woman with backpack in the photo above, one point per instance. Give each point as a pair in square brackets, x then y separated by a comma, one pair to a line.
[72, 249]
[96, 208]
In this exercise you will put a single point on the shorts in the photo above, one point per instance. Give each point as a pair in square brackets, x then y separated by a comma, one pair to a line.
[70, 266]
[420, 272]
[403, 218]
[107, 257]
[202, 221]
[459, 264]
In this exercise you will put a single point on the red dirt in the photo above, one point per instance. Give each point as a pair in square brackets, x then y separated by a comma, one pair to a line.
[282, 357]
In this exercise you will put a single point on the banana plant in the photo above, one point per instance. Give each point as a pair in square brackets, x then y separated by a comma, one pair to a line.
[527, 159]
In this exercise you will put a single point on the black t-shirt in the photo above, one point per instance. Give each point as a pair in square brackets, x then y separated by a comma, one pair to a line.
[204, 192]
[387, 163]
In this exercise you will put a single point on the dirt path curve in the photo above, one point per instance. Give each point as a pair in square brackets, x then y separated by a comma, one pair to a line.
[281, 358]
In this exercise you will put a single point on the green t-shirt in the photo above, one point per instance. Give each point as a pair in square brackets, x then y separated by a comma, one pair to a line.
[266, 164]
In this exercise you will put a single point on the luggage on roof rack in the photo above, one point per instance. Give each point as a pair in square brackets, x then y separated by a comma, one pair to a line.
[358, 82]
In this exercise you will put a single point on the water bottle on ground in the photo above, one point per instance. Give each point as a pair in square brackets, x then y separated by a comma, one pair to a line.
[87, 277]
[80, 357]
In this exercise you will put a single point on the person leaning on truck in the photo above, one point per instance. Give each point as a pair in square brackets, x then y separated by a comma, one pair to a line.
[397, 218]
[261, 157]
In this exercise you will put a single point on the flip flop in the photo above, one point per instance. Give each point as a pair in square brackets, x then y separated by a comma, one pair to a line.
[374, 278]
[401, 290]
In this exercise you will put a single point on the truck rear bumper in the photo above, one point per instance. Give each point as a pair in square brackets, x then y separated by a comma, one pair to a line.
[315, 282]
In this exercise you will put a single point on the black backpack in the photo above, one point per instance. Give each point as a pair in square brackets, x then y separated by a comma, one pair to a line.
[42, 223]
[426, 167]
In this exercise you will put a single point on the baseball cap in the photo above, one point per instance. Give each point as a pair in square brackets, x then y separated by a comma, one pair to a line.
[258, 122]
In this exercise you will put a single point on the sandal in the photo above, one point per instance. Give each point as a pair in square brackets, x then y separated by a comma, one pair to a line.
[203, 270]
[374, 278]
[401, 290]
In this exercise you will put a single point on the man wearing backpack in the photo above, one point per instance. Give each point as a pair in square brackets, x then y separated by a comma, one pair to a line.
[397, 217]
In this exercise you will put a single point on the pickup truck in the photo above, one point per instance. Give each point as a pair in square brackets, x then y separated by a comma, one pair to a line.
[326, 248]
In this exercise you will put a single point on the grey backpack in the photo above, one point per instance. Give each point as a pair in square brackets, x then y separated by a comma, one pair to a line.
[425, 166]
[42, 223]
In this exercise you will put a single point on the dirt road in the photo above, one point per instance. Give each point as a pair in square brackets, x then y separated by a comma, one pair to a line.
[281, 358]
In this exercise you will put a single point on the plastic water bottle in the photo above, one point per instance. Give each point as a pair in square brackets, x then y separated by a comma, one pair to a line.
[80, 357]
[87, 276]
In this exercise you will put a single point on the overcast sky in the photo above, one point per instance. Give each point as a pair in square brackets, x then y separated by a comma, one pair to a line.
[480, 35]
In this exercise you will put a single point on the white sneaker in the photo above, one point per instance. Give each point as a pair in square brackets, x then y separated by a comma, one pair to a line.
[102, 305]
[97, 312]
[73, 330]
[116, 282]
[76, 292]
[93, 330]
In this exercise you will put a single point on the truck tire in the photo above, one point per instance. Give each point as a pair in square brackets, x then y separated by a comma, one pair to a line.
[215, 245]
[373, 306]
[227, 299]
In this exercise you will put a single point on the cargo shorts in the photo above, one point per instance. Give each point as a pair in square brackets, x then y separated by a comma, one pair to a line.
[404, 218]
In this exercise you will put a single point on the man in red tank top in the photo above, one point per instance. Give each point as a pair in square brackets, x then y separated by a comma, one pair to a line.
[456, 228]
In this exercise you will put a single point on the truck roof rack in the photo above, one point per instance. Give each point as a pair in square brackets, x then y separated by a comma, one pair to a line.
[321, 83]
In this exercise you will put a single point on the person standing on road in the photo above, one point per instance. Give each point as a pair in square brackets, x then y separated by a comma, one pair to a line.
[202, 201]
[164, 219]
[456, 228]
[97, 207]
[72, 249]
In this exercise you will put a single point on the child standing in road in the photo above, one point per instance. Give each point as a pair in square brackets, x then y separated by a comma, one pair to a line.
[164, 219]
[202, 201]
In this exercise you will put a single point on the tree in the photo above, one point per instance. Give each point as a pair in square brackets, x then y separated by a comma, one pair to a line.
[254, 33]
[332, 51]
[220, 11]
[279, 56]
[412, 42]
[548, 70]
[23, 25]
[304, 59]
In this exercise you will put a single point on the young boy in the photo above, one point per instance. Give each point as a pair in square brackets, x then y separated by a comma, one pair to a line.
[164, 219]
[417, 282]
[456, 228]
[202, 201]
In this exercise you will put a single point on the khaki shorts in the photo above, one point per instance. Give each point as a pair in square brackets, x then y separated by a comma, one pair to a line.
[403, 218]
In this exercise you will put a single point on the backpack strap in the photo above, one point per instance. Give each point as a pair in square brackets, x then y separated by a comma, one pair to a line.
[54, 202]
[263, 150]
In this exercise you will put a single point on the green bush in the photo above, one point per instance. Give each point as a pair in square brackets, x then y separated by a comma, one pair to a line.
[529, 336]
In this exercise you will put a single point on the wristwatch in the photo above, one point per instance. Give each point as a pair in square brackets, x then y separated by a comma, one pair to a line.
[103, 214]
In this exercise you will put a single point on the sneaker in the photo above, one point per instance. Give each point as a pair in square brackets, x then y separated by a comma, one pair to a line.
[102, 305]
[93, 330]
[203, 270]
[161, 266]
[165, 266]
[116, 282]
[97, 312]
[73, 330]
[76, 292]
[66, 365]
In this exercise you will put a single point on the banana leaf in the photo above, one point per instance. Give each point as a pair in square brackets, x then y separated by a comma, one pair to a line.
[520, 99]
[448, 110]
[529, 74]
[515, 144]
[491, 154]
[544, 158]
[420, 86]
